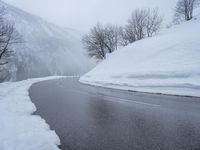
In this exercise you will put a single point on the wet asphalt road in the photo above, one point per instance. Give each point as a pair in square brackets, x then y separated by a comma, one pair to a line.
[94, 118]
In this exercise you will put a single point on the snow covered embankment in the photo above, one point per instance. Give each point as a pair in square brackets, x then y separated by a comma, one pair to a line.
[19, 129]
[168, 63]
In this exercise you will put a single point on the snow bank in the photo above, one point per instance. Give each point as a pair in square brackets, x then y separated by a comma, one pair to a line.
[19, 129]
[168, 63]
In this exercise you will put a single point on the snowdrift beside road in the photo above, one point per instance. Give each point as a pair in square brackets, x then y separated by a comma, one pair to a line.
[20, 130]
[168, 63]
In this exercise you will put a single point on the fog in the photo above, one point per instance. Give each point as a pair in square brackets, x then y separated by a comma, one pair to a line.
[45, 50]
[83, 14]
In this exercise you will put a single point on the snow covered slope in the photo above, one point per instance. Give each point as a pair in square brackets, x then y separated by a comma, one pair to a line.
[168, 63]
[47, 48]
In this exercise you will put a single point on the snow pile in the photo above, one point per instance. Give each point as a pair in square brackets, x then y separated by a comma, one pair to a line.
[20, 130]
[168, 63]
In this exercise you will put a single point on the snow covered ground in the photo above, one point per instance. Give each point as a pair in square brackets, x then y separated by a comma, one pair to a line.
[168, 63]
[19, 129]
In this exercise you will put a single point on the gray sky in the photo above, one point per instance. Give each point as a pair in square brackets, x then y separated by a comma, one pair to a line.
[83, 14]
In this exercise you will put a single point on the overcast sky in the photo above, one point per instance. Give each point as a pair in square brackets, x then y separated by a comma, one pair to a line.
[83, 14]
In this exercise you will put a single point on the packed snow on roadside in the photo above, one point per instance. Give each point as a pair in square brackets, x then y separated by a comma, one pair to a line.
[19, 129]
[168, 63]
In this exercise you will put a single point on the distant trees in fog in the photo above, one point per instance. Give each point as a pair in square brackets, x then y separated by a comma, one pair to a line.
[106, 39]
[184, 10]
[8, 36]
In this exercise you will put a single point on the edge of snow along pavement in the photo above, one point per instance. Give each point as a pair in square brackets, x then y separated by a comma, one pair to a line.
[185, 90]
[19, 128]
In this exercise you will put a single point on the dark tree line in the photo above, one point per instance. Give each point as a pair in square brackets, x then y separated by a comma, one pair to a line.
[106, 39]
[8, 37]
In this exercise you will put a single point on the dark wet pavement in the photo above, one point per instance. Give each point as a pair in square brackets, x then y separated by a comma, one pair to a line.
[94, 118]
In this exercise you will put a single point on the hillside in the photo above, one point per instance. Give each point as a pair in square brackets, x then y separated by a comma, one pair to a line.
[168, 63]
[46, 49]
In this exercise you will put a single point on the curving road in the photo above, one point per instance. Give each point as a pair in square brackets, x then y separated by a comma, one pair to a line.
[94, 118]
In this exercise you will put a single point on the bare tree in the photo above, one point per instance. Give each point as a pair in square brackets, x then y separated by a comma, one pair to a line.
[126, 35]
[184, 10]
[101, 40]
[137, 23]
[111, 38]
[153, 22]
[142, 23]
[94, 42]
[8, 36]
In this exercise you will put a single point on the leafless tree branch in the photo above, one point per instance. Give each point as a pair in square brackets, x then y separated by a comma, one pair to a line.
[8, 37]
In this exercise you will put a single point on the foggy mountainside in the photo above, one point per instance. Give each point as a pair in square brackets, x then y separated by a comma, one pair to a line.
[46, 49]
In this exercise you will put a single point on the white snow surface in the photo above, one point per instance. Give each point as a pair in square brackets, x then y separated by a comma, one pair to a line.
[168, 63]
[19, 129]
